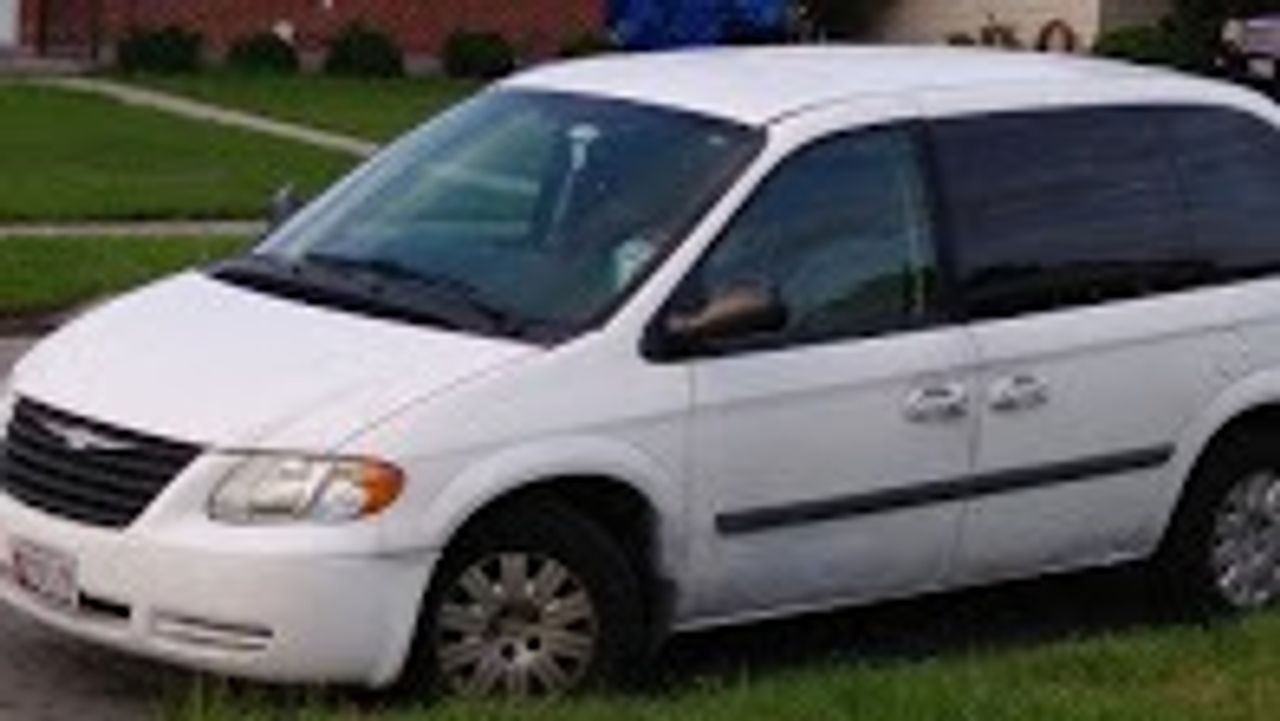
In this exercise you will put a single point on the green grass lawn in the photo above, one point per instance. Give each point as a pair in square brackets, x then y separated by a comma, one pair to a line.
[69, 156]
[1227, 672]
[377, 110]
[39, 275]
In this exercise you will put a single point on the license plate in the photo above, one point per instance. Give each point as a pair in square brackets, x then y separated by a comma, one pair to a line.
[46, 573]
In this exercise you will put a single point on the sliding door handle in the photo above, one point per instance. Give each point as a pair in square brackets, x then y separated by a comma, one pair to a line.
[1018, 393]
[937, 404]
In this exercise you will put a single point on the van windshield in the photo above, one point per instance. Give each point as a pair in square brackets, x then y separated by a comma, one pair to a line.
[517, 213]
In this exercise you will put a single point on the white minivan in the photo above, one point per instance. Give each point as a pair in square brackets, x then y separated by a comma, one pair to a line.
[638, 345]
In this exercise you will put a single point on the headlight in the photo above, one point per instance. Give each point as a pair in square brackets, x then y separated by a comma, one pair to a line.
[283, 488]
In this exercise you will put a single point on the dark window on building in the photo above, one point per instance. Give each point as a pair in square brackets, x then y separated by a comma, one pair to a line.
[842, 232]
[1062, 208]
[1230, 165]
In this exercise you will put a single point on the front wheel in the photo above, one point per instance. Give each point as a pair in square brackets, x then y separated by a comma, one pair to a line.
[534, 600]
[1224, 552]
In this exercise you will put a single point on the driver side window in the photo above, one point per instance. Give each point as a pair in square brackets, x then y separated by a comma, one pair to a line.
[841, 233]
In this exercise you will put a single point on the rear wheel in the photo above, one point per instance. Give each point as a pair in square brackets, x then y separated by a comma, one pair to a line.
[1245, 551]
[1224, 551]
[534, 600]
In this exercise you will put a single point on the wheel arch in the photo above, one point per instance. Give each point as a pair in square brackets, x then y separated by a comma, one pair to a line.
[629, 493]
[1251, 403]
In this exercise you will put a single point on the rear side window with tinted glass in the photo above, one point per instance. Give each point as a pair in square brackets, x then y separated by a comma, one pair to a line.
[1061, 208]
[1230, 170]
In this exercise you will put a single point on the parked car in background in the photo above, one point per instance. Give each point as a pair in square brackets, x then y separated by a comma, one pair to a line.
[1261, 36]
[1254, 50]
[639, 345]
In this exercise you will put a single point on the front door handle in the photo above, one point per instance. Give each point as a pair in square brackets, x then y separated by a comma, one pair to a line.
[1018, 393]
[937, 404]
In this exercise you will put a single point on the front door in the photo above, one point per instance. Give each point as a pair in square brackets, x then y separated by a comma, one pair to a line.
[68, 28]
[814, 445]
[8, 23]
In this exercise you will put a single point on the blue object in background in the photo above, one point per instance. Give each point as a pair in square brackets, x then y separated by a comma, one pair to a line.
[656, 24]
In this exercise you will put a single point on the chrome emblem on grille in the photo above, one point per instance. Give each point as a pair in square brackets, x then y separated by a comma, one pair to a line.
[83, 440]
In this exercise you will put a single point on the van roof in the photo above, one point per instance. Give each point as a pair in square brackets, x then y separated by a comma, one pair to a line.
[756, 85]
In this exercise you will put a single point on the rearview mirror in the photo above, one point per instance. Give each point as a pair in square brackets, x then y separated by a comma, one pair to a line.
[285, 203]
[732, 311]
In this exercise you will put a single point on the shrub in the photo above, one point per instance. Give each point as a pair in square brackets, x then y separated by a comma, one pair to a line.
[842, 18]
[363, 51]
[1196, 26]
[470, 54]
[263, 53]
[586, 44]
[1151, 44]
[167, 50]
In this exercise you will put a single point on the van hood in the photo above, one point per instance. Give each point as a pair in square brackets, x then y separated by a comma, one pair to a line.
[198, 360]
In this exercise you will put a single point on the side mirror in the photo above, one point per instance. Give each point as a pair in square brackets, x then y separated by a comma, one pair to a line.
[285, 203]
[733, 311]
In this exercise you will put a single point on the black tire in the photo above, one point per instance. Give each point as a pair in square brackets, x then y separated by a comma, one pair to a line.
[1184, 565]
[548, 529]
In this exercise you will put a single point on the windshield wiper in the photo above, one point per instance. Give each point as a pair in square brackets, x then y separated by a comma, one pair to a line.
[338, 284]
[454, 290]
[279, 276]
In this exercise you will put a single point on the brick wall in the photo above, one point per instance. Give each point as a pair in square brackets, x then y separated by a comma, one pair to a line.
[534, 26]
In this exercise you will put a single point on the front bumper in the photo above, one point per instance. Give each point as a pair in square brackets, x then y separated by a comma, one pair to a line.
[241, 602]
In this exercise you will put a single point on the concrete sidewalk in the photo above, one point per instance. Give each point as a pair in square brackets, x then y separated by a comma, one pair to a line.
[196, 110]
[17, 64]
[155, 229]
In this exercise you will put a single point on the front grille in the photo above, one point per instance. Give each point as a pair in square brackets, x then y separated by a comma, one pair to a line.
[84, 470]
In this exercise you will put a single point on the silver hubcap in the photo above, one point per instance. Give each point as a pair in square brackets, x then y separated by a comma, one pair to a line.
[1246, 543]
[516, 624]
